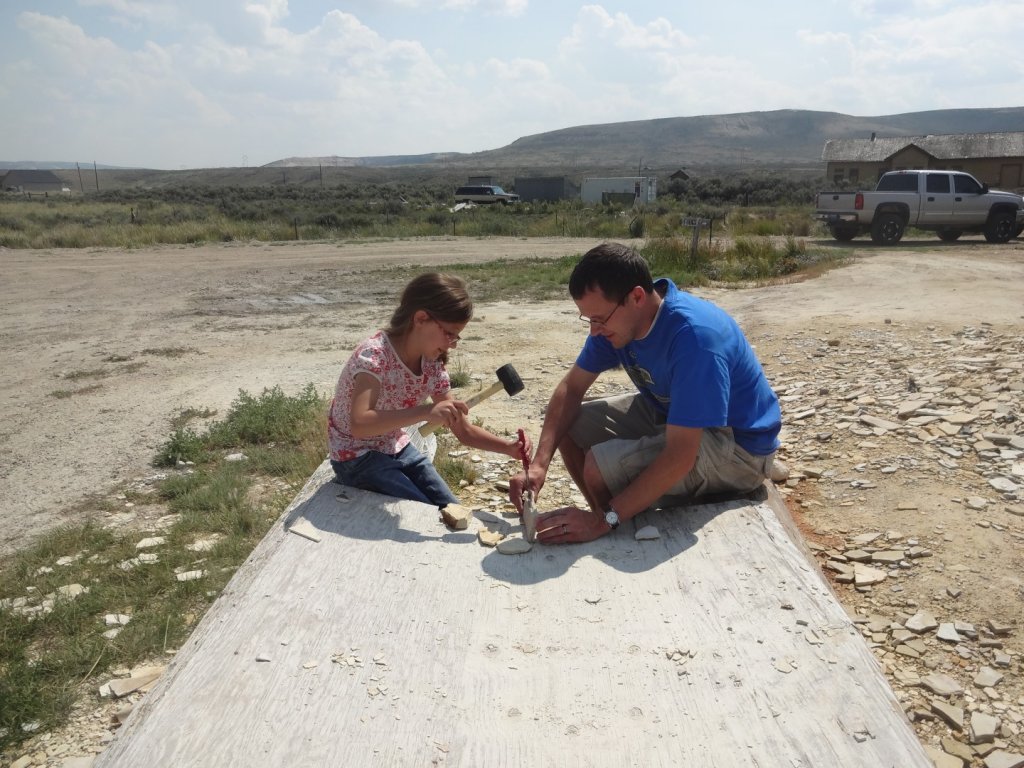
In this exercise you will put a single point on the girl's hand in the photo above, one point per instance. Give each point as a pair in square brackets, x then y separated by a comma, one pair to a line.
[515, 451]
[448, 412]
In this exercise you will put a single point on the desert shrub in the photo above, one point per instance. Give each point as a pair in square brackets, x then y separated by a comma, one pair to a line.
[183, 445]
[271, 417]
[328, 220]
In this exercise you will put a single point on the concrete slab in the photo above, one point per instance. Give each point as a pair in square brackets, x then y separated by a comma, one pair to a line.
[717, 644]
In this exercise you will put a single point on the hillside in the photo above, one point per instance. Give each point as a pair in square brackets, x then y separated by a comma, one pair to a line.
[786, 137]
[784, 140]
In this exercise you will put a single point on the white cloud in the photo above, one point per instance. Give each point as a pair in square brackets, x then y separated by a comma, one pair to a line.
[142, 10]
[517, 69]
[924, 50]
[66, 42]
[496, 7]
[269, 11]
[597, 28]
[267, 79]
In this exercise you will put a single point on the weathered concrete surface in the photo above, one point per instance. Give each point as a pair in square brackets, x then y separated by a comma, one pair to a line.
[393, 641]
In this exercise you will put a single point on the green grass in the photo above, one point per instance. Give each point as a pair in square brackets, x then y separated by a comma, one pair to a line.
[89, 374]
[453, 470]
[747, 260]
[45, 657]
[367, 212]
[756, 260]
[188, 415]
[458, 373]
[48, 656]
[170, 351]
[63, 394]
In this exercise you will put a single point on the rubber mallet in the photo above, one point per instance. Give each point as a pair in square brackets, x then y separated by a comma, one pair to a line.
[508, 379]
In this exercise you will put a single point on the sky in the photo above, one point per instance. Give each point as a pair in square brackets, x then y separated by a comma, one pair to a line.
[175, 84]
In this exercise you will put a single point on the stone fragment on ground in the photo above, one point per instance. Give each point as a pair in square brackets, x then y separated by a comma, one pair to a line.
[514, 546]
[302, 527]
[489, 538]
[933, 433]
[456, 516]
[647, 533]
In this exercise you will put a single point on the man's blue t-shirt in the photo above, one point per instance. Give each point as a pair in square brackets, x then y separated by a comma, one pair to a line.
[696, 366]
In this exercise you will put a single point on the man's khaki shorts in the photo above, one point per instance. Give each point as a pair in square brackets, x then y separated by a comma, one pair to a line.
[625, 433]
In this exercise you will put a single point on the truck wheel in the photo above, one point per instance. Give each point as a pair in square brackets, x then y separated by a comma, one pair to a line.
[887, 229]
[949, 235]
[842, 232]
[1000, 227]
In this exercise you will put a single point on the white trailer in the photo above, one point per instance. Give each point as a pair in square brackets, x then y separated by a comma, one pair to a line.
[644, 189]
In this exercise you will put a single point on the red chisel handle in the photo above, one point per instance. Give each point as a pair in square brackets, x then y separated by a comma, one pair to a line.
[522, 450]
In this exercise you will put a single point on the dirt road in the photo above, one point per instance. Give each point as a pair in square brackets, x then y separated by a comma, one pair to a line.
[102, 348]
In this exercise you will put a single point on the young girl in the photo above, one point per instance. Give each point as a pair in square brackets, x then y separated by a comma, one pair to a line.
[382, 389]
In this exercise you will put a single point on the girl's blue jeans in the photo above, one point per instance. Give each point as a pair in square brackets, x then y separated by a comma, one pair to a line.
[405, 475]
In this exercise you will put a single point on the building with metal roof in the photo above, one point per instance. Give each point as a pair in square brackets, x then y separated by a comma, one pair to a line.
[994, 158]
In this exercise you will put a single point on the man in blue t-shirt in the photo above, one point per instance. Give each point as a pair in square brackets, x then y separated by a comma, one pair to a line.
[704, 419]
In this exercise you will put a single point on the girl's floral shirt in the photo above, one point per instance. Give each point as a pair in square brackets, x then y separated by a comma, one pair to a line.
[400, 388]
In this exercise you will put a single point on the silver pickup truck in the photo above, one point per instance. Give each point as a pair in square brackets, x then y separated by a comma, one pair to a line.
[947, 202]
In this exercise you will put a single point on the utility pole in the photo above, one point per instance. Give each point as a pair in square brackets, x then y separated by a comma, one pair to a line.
[97, 174]
[81, 186]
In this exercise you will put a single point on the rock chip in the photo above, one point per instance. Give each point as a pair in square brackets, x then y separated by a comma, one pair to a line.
[647, 533]
[489, 538]
[941, 684]
[514, 546]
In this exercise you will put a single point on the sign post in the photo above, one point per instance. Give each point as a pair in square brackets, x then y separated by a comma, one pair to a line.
[695, 223]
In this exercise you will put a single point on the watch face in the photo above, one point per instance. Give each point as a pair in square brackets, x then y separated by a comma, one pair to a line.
[612, 518]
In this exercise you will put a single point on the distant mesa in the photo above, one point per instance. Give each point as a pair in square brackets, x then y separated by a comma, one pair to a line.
[780, 139]
[785, 137]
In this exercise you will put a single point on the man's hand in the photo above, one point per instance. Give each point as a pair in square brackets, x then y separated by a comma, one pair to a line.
[570, 525]
[518, 483]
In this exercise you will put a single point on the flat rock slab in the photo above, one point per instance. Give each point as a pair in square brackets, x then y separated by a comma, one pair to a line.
[431, 649]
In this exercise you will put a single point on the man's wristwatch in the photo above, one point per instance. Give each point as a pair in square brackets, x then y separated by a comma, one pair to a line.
[612, 518]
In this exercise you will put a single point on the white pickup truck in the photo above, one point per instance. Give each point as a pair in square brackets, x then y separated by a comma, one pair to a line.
[947, 202]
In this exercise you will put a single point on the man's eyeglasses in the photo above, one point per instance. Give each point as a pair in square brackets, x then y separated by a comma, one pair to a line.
[602, 321]
[453, 338]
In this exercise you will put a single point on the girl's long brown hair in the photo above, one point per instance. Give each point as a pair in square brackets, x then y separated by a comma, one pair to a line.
[443, 297]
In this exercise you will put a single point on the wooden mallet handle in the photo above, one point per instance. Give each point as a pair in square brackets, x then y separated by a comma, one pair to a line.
[470, 401]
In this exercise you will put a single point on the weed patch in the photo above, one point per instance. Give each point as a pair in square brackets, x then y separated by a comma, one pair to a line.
[170, 351]
[90, 374]
[458, 373]
[51, 640]
[63, 394]
[453, 470]
[187, 415]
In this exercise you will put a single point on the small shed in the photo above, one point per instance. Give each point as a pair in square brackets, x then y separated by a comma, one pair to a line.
[545, 188]
[32, 182]
[630, 189]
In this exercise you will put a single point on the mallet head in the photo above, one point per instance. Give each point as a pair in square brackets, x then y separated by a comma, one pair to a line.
[509, 378]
